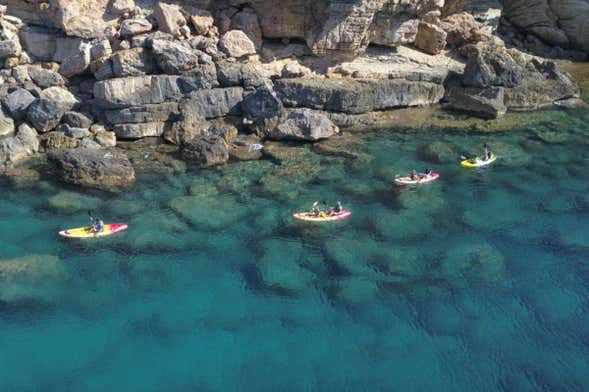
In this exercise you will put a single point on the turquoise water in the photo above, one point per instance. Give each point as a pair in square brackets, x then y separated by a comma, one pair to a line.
[476, 282]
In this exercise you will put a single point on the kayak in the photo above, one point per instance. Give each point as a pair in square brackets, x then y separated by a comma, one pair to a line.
[477, 162]
[423, 180]
[88, 232]
[323, 217]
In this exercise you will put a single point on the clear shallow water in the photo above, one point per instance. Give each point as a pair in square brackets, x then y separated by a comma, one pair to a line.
[478, 281]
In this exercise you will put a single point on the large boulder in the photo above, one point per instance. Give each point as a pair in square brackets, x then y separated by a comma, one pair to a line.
[133, 62]
[237, 44]
[10, 48]
[558, 23]
[356, 96]
[96, 168]
[174, 57]
[45, 78]
[6, 123]
[248, 75]
[218, 102]
[430, 38]
[46, 112]
[202, 21]
[304, 124]
[87, 19]
[169, 17]
[487, 102]
[140, 130]
[529, 83]
[131, 27]
[206, 151]
[39, 42]
[261, 105]
[78, 63]
[18, 148]
[142, 90]
[247, 21]
[17, 103]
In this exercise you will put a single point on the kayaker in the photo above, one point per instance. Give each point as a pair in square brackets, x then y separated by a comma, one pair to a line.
[98, 225]
[315, 210]
[338, 207]
[427, 172]
[488, 153]
[414, 175]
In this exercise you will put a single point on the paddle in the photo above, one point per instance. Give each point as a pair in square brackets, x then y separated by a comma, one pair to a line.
[90, 215]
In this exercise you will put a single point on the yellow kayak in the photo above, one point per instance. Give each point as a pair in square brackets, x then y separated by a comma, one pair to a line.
[477, 162]
[322, 217]
[88, 232]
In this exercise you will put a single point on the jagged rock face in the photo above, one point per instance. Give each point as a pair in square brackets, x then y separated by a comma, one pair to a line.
[18, 148]
[482, 102]
[486, 12]
[557, 22]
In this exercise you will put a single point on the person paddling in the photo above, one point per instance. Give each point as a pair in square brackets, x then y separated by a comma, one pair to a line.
[315, 209]
[98, 225]
[414, 175]
[488, 153]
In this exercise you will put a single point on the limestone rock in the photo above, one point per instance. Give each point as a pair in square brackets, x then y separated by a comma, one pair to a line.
[163, 112]
[430, 38]
[96, 168]
[393, 29]
[247, 21]
[6, 124]
[105, 138]
[17, 103]
[206, 151]
[86, 19]
[133, 62]
[73, 132]
[131, 27]
[18, 148]
[558, 23]
[142, 90]
[76, 64]
[190, 127]
[461, 28]
[45, 78]
[356, 96]
[78, 120]
[238, 74]
[304, 124]
[486, 102]
[237, 44]
[202, 21]
[173, 57]
[213, 103]
[39, 42]
[140, 130]
[169, 17]
[261, 105]
[121, 7]
[46, 112]
[57, 141]
[10, 48]
[295, 70]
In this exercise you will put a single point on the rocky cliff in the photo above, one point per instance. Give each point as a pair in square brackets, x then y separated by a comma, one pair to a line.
[217, 78]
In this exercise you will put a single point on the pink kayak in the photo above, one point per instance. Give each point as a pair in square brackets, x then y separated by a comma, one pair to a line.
[423, 179]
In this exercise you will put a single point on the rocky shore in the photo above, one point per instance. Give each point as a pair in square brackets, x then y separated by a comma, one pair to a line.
[82, 82]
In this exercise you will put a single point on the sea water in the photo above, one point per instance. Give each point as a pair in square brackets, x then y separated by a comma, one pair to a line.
[478, 281]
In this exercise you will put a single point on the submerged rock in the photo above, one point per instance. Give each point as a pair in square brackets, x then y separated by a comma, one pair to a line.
[96, 168]
[473, 261]
[280, 267]
[73, 202]
[38, 278]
